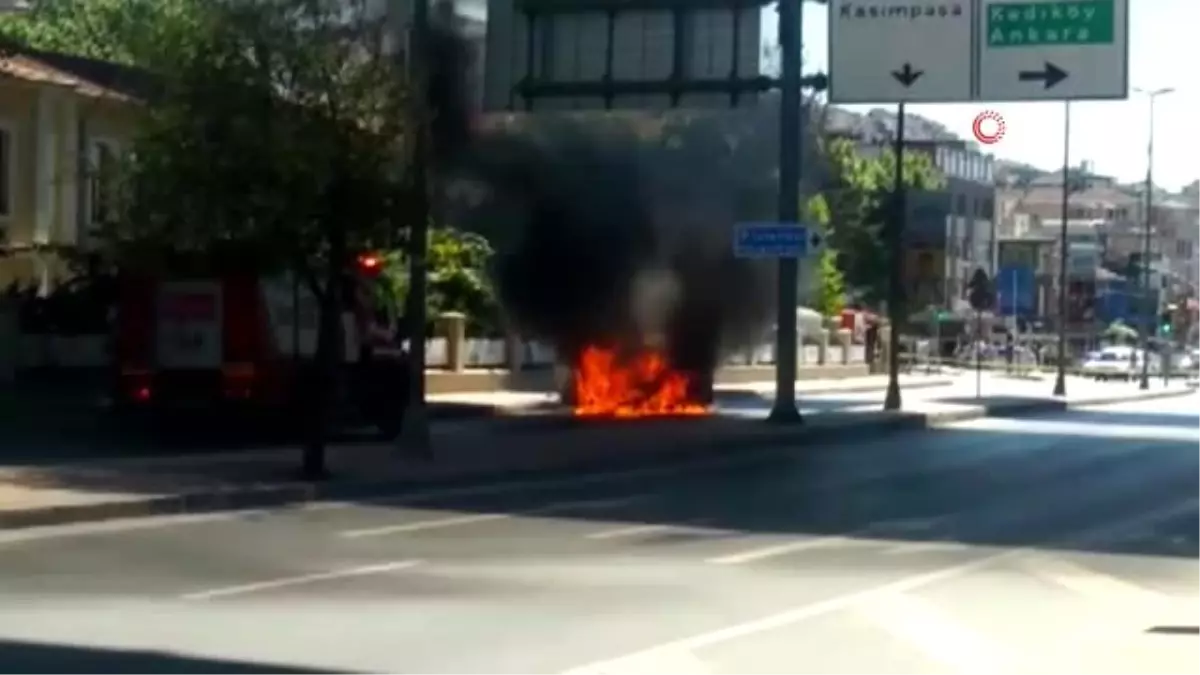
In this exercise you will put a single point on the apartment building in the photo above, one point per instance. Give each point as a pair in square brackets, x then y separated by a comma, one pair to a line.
[950, 232]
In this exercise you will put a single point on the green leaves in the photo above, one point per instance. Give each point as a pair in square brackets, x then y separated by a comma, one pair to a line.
[459, 263]
[280, 123]
[858, 195]
[132, 32]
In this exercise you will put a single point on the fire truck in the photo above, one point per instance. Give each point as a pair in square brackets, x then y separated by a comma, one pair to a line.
[243, 343]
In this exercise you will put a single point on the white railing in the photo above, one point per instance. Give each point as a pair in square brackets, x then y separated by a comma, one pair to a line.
[92, 351]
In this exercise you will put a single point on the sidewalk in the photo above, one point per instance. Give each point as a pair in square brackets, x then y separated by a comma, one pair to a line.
[508, 448]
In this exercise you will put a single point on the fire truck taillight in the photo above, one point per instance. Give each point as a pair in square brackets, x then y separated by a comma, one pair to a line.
[370, 264]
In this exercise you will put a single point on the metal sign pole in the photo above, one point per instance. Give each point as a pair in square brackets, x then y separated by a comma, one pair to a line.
[978, 355]
[1060, 381]
[896, 271]
[791, 134]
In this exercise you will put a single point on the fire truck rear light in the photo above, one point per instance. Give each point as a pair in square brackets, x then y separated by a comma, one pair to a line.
[238, 380]
[138, 384]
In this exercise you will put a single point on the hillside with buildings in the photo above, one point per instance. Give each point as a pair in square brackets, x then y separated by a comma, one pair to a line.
[1006, 217]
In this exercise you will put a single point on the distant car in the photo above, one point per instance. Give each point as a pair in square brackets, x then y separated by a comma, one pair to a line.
[1110, 363]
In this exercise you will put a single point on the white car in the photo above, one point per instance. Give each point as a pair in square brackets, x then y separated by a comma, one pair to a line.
[1112, 363]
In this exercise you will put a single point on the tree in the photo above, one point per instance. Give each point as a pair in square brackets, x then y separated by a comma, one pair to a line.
[458, 279]
[130, 32]
[859, 192]
[278, 138]
[831, 284]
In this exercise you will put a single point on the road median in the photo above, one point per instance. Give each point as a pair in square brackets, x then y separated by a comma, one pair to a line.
[507, 450]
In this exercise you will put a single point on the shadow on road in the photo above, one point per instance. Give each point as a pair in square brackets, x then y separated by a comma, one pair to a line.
[1020, 486]
[31, 657]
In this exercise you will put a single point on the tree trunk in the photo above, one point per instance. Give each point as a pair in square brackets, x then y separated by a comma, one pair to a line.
[325, 368]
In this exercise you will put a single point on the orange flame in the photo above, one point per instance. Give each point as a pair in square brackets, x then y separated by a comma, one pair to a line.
[643, 386]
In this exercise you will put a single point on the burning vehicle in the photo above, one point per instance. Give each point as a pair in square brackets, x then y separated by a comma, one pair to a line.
[619, 258]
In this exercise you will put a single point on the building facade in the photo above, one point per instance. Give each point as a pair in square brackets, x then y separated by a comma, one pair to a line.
[951, 232]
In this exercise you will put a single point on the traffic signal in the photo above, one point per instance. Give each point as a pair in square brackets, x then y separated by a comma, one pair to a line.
[980, 293]
[1164, 323]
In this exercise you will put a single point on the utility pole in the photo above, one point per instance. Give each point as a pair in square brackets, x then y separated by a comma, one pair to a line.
[1060, 381]
[895, 238]
[414, 436]
[1151, 308]
[791, 136]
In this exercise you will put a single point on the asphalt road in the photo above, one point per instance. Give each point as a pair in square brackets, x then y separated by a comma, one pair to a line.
[1065, 543]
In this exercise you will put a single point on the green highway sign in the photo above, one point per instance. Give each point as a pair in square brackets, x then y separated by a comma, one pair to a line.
[1052, 49]
[1027, 24]
[945, 51]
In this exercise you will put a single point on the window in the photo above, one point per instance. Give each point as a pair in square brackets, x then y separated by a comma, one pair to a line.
[103, 181]
[8, 165]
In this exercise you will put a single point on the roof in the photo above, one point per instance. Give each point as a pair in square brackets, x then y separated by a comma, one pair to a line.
[89, 77]
[1094, 196]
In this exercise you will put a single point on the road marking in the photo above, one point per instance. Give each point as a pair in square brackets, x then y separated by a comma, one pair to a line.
[934, 633]
[690, 525]
[921, 547]
[1093, 585]
[761, 553]
[872, 531]
[284, 582]
[634, 531]
[668, 662]
[838, 603]
[471, 519]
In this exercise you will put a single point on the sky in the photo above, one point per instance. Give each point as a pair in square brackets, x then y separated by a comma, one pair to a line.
[1164, 51]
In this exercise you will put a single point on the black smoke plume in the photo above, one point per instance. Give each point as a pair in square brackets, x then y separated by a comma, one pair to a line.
[600, 241]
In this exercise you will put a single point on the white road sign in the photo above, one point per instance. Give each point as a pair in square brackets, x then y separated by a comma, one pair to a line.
[1052, 49]
[899, 50]
[923, 51]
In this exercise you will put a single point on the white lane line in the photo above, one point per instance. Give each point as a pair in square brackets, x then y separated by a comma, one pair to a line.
[921, 547]
[764, 552]
[471, 519]
[1095, 586]
[283, 582]
[838, 603]
[420, 525]
[634, 531]
[669, 662]
[650, 528]
[935, 634]
[869, 534]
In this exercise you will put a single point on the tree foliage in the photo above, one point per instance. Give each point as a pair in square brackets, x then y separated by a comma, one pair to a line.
[459, 263]
[279, 134]
[130, 32]
[830, 296]
[859, 192]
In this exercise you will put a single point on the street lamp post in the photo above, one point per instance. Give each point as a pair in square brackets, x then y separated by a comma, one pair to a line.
[1060, 382]
[1150, 309]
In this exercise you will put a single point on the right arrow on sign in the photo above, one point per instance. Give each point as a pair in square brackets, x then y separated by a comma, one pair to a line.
[1050, 75]
[906, 75]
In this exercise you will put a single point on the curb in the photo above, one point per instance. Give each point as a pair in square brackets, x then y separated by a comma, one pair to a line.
[772, 439]
[454, 411]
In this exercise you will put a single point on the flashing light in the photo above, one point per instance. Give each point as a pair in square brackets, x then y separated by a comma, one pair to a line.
[370, 264]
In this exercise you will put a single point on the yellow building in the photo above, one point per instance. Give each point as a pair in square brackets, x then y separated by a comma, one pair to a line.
[63, 119]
